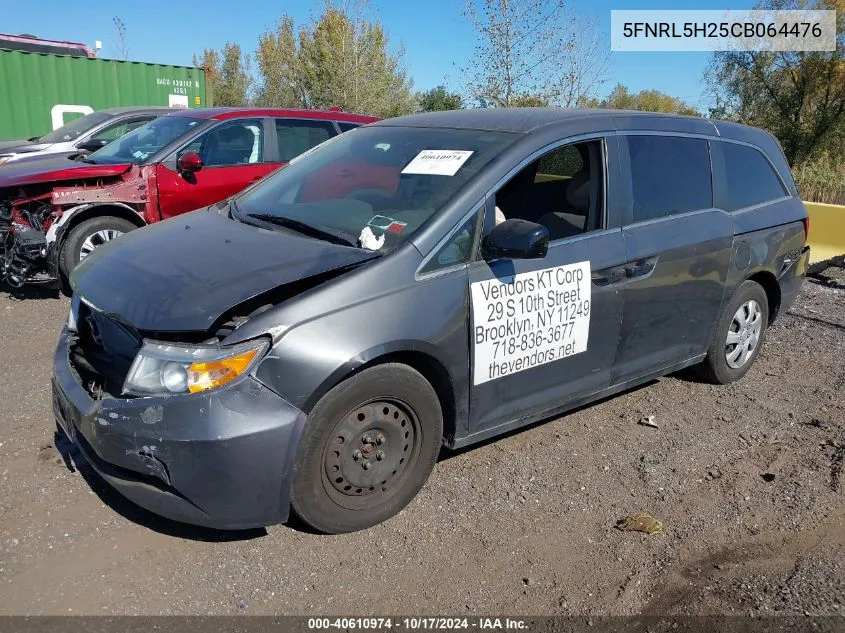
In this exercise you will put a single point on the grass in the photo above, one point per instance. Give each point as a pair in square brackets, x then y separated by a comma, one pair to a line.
[821, 179]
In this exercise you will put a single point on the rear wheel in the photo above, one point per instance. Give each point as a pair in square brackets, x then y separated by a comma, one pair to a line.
[367, 449]
[87, 236]
[739, 336]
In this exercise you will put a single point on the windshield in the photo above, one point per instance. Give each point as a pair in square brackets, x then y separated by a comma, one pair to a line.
[141, 143]
[71, 131]
[376, 185]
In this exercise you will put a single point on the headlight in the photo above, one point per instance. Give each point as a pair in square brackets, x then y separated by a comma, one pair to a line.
[165, 368]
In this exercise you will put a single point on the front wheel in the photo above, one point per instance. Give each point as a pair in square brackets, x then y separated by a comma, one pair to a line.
[739, 336]
[87, 236]
[367, 449]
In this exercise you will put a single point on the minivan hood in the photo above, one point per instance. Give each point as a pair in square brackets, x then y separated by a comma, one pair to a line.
[52, 168]
[185, 273]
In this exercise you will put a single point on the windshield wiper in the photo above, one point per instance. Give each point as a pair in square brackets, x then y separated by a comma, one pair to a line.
[233, 210]
[82, 158]
[323, 233]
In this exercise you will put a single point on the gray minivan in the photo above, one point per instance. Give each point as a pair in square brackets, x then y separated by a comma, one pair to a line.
[428, 280]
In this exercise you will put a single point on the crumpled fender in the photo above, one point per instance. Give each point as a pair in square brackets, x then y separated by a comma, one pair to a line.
[56, 169]
[57, 228]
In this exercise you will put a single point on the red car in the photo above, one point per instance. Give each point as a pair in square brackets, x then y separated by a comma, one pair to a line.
[55, 211]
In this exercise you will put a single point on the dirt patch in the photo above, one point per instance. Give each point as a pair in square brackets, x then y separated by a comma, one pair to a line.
[746, 479]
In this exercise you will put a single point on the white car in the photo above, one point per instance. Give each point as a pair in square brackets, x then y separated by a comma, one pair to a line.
[85, 134]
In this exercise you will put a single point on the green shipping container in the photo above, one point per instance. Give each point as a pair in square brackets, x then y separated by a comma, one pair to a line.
[39, 92]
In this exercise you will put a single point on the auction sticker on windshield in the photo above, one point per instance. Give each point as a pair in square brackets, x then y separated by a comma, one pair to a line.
[437, 162]
[529, 319]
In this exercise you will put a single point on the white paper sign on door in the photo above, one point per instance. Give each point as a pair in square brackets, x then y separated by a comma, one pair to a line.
[529, 319]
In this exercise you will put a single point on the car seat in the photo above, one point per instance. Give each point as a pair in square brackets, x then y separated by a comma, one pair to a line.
[515, 199]
[580, 212]
[568, 223]
[414, 191]
[229, 146]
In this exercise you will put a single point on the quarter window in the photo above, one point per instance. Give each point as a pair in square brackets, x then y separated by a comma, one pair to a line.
[562, 190]
[750, 177]
[669, 175]
[296, 137]
[458, 249]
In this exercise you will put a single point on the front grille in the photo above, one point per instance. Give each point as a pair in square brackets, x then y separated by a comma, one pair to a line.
[102, 351]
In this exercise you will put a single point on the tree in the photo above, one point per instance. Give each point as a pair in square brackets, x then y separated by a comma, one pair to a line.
[342, 59]
[227, 74]
[345, 62]
[533, 47]
[529, 101]
[438, 99]
[122, 47]
[210, 63]
[281, 81]
[621, 98]
[799, 96]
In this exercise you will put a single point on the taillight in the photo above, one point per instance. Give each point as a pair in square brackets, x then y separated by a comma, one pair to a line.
[806, 229]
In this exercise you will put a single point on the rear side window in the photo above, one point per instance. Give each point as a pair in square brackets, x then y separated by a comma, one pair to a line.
[669, 175]
[750, 177]
[296, 137]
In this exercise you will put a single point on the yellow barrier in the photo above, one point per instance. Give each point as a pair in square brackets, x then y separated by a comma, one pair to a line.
[827, 231]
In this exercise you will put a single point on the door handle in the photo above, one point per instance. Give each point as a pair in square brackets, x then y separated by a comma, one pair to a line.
[640, 268]
[608, 276]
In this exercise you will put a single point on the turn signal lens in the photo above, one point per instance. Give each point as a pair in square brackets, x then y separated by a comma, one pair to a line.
[216, 373]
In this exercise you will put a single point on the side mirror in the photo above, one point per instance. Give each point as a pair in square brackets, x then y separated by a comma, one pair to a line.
[516, 239]
[189, 162]
[92, 145]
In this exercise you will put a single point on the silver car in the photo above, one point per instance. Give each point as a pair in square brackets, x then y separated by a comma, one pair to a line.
[85, 134]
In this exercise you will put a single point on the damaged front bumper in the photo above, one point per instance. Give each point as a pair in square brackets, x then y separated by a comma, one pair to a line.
[221, 459]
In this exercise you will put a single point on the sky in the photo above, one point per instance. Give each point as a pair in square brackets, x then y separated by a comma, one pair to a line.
[438, 41]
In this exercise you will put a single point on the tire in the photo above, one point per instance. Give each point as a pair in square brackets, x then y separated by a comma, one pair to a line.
[71, 253]
[724, 362]
[389, 408]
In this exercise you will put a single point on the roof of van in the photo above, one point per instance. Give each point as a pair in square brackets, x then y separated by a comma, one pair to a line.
[223, 113]
[526, 120]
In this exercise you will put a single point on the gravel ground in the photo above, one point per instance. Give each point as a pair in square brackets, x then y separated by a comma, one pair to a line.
[747, 479]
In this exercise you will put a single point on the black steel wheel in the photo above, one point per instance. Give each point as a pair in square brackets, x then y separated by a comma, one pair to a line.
[370, 453]
[367, 449]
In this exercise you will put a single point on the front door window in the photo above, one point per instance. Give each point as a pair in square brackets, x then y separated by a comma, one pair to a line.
[232, 143]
